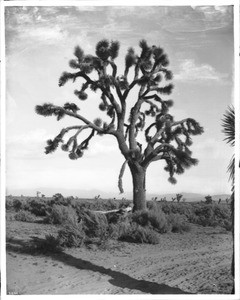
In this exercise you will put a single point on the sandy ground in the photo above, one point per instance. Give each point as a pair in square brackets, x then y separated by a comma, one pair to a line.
[195, 262]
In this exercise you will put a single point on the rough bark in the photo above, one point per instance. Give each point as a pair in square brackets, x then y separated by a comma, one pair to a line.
[139, 186]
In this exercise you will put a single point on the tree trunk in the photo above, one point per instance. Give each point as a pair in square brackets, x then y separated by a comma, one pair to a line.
[139, 190]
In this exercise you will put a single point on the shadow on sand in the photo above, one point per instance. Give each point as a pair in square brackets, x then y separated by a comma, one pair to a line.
[117, 278]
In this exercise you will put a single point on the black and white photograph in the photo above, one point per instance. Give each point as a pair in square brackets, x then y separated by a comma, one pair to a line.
[120, 149]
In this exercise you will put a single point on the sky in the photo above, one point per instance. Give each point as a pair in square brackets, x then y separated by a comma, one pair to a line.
[39, 44]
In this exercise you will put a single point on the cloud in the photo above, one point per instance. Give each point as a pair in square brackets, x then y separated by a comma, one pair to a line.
[28, 145]
[101, 148]
[191, 72]
[45, 34]
[33, 136]
[197, 18]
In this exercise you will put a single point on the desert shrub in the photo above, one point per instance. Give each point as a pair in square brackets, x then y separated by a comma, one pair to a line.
[9, 204]
[10, 216]
[58, 199]
[124, 203]
[166, 208]
[17, 204]
[151, 205]
[193, 219]
[227, 225]
[204, 210]
[60, 214]
[58, 196]
[204, 215]
[154, 219]
[141, 217]
[114, 230]
[111, 204]
[114, 217]
[71, 234]
[95, 224]
[135, 233]
[24, 216]
[211, 215]
[221, 212]
[37, 207]
[178, 223]
[158, 221]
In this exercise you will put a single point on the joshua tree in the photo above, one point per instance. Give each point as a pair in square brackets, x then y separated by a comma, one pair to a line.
[178, 197]
[97, 197]
[135, 103]
[58, 196]
[229, 130]
[163, 199]
[209, 199]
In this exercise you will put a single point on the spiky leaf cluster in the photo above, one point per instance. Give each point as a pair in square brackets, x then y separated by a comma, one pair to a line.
[228, 124]
[177, 161]
[48, 109]
[52, 145]
[105, 49]
[130, 59]
[65, 77]
[71, 106]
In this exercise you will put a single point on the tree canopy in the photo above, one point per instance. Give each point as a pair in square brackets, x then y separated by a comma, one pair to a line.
[148, 75]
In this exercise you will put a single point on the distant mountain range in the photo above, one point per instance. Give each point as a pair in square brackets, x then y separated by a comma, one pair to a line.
[90, 194]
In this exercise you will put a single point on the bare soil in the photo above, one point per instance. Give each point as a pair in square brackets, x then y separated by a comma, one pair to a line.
[196, 262]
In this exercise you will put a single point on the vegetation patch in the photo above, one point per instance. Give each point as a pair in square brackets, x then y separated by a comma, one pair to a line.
[134, 233]
[24, 216]
[60, 214]
[71, 235]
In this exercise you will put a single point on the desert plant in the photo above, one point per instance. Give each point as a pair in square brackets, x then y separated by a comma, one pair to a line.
[179, 197]
[37, 207]
[135, 233]
[124, 203]
[71, 234]
[154, 219]
[227, 225]
[17, 204]
[152, 205]
[9, 204]
[158, 221]
[94, 224]
[165, 138]
[178, 223]
[209, 199]
[60, 214]
[58, 196]
[24, 216]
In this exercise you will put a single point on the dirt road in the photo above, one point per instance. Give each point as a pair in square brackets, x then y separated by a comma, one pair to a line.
[194, 262]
